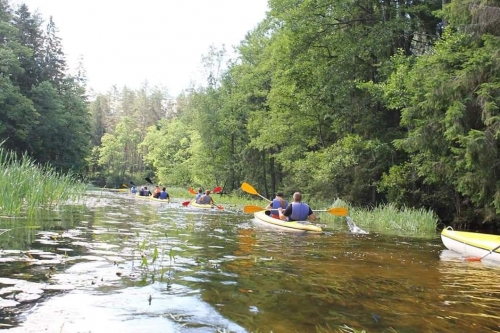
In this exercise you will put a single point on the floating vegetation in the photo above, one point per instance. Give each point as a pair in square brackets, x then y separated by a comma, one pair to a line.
[27, 186]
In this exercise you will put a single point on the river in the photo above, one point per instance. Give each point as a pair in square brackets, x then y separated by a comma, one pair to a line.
[118, 264]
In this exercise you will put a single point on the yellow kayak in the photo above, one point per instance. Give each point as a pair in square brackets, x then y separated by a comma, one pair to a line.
[295, 225]
[204, 206]
[151, 198]
[472, 244]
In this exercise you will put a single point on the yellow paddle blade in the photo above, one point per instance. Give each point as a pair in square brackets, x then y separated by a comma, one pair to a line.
[124, 185]
[248, 188]
[340, 211]
[252, 209]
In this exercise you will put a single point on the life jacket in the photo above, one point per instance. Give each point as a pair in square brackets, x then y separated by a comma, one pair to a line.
[198, 196]
[141, 193]
[300, 212]
[134, 190]
[163, 195]
[276, 203]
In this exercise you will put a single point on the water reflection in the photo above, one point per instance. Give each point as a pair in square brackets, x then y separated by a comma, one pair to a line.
[136, 266]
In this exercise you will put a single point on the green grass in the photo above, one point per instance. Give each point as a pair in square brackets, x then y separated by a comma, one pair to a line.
[27, 186]
[389, 219]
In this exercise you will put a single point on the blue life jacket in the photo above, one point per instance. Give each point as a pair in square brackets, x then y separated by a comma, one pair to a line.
[198, 196]
[134, 190]
[277, 204]
[300, 211]
[163, 195]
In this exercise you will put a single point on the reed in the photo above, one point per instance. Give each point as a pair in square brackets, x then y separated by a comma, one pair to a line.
[27, 186]
[390, 219]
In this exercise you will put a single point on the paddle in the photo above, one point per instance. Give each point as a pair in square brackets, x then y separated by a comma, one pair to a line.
[132, 183]
[124, 185]
[340, 211]
[249, 189]
[149, 180]
[481, 258]
[215, 190]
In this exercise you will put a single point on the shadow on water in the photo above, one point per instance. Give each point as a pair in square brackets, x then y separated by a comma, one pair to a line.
[124, 265]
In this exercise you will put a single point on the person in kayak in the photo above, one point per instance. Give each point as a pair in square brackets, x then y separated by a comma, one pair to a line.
[206, 199]
[200, 193]
[157, 192]
[297, 210]
[145, 192]
[164, 195]
[277, 202]
[133, 190]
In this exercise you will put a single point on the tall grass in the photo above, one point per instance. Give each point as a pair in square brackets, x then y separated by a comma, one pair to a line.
[27, 186]
[388, 218]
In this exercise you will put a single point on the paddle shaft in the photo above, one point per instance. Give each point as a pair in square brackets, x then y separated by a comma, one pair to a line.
[487, 254]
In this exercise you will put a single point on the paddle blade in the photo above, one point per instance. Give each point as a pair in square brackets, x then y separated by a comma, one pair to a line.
[249, 189]
[217, 189]
[191, 190]
[340, 211]
[124, 185]
[219, 207]
[185, 203]
[132, 183]
[149, 180]
[252, 209]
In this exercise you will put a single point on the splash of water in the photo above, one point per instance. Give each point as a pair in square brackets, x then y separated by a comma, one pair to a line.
[353, 228]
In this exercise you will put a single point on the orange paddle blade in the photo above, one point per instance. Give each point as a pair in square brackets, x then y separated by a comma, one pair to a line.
[252, 209]
[219, 207]
[472, 259]
[217, 189]
[249, 189]
[191, 190]
[340, 211]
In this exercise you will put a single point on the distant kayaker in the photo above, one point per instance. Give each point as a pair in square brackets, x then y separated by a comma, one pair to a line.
[145, 192]
[277, 202]
[164, 195]
[297, 211]
[157, 192]
[206, 199]
[133, 190]
[200, 193]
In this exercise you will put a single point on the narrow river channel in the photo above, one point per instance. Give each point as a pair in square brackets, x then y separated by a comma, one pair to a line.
[119, 264]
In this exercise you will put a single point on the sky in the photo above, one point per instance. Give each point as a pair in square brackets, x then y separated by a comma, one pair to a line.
[126, 42]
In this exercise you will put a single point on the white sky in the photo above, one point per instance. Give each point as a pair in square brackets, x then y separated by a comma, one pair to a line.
[126, 42]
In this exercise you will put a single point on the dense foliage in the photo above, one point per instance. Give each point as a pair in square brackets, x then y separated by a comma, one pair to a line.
[43, 110]
[373, 102]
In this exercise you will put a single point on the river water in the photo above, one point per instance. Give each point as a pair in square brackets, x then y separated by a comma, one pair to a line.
[119, 264]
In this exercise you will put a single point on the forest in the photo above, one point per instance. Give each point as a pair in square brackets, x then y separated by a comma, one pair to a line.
[368, 101]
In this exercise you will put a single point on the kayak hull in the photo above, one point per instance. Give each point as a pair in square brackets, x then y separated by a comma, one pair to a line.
[296, 225]
[151, 198]
[472, 244]
[197, 205]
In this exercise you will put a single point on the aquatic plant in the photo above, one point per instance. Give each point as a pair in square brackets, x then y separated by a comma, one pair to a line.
[388, 218]
[152, 257]
[27, 186]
